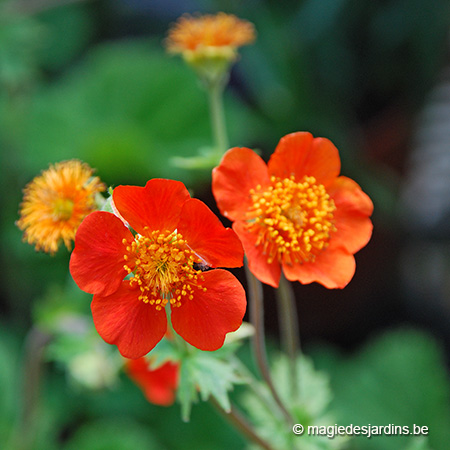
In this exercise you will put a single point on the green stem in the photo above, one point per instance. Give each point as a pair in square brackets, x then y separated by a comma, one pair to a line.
[256, 308]
[215, 93]
[242, 424]
[256, 387]
[288, 320]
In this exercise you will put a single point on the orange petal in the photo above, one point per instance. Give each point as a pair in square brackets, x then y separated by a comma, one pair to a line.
[97, 261]
[353, 208]
[333, 268]
[205, 320]
[240, 170]
[205, 234]
[157, 205]
[124, 320]
[257, 259]
[301, 154]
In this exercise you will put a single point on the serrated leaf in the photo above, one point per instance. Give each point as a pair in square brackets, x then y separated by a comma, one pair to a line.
[166, 350]
[187, 392]
[205, 374]
[310, 407]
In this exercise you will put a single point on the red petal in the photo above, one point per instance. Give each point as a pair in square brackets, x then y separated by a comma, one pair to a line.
[205, 320]
[157, 205]
[159, 385]
[240, 170]
[333, 268]
[353, 208]
[257, 259]
[124, 320]
[301, 154]
[205, 234]
[97, 261]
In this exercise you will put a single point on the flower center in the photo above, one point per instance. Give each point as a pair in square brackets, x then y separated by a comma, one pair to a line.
[62, 209]
[293, 220]
[164, 268]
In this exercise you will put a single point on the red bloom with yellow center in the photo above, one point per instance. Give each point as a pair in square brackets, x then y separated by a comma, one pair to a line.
[159, 385]
[295, 213]
[134, 275]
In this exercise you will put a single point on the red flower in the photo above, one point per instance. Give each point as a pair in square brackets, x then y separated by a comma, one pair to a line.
[159, 385]
[296, 212]
[134, 276]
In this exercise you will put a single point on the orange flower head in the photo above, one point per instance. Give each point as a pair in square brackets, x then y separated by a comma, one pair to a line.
[159, 384]
[56, 202]
[209, 37]
[137, 274]
[296, 213]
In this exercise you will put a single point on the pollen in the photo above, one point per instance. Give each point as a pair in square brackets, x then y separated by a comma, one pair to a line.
[56, 202]
[293, 220]
[164, 268]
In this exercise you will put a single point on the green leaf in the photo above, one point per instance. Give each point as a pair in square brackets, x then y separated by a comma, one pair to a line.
[206, 374]
[310, 407]
[399, 378]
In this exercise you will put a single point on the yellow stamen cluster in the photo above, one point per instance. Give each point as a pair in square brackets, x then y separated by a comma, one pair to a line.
[293, 220]
[193, 33]
[56, 202]
[163, 268]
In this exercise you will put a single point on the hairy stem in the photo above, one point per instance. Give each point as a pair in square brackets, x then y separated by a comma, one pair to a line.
[218, 125]
[288, 320]
[256, 307]
[242, 424]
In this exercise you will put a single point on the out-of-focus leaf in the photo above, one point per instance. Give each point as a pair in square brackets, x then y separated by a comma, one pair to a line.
[126, 110]
[399, 379]
[110, 434]
[9, 387]
[20, 39]
[68, 30]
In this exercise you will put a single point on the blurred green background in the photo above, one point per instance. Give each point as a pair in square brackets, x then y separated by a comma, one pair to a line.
[91, 80]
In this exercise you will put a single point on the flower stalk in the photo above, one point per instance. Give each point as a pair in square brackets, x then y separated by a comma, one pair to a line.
[288, 322]
[235, 418]
[215, 91]
[256, 309]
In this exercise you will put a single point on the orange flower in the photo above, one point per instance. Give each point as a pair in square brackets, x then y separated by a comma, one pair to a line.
[56, 202]
[296, 213]
[209, 36]
[159, 385]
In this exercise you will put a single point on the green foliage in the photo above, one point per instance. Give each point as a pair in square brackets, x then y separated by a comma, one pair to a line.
[9, 383]
[76, 23]
[126, 110]
[113, 434]
[309, 407]
[204, 374]
[20, 38]
[75, 345]
[399, 379]
[208, 375]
